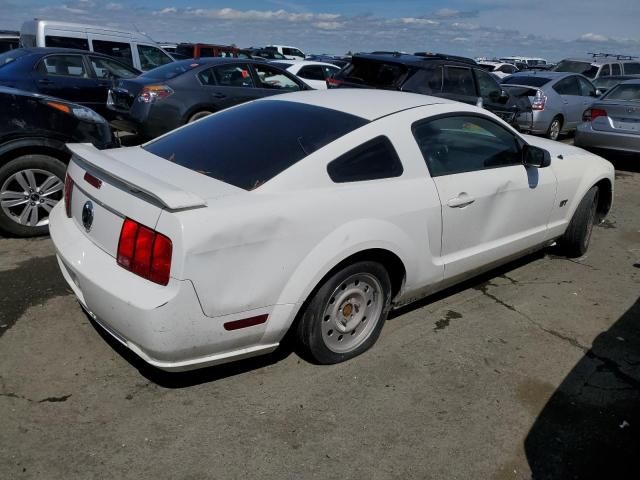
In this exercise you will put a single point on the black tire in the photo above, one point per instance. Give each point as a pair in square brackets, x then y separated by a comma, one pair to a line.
[199, 115]
[38, 162]
[553, 132]
[312, 329]
[575, 241]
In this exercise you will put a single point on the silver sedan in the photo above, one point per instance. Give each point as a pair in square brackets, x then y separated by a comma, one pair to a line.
[558, 100]
[613, 122]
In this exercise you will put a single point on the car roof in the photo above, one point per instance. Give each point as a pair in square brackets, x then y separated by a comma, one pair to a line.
[304, 62]
[48, 50]
[600, 60]
[365, 103]
[220, 60]
[415, 60]
[548, 74]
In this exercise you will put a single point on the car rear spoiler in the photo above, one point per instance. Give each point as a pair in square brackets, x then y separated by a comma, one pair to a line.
[169, 195]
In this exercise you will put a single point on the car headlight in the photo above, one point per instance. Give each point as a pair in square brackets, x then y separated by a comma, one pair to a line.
[81, 113]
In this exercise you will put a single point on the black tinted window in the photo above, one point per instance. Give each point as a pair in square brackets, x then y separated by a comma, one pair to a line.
[487, 86]
[459, 81]
[425, 80]
[465, 143]
[281, 133]
[66, 42]
[312, 72]
[233, 75]
[373, 160]
[586, 88]
[374, 74]
[525, 80]
[121, 51]
[573, 66]
[632, 68]
[568, 86]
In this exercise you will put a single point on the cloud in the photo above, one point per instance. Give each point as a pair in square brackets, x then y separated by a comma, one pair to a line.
[418, 21]
[113, 7]
[257, 15]
[594, 38]
[328, 25]
[166, 11]
[75, 10]
[451, 13]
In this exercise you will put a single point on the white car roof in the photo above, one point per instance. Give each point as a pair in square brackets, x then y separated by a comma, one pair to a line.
[303, 63]
[365, 103]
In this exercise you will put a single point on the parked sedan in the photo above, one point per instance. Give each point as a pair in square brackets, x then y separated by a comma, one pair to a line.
[78, 76]
[557, 100]
[314, 74]
[603, 84]
[211, 242]
[33, 157]
[182, 92]
[613, 122]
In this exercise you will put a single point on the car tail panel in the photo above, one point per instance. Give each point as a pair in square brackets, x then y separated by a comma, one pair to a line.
[618, 117]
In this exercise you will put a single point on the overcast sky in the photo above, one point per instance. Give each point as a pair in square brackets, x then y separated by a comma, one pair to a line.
[549, 28]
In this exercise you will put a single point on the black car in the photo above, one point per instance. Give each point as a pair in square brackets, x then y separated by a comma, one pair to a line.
[33, 158]
[78, 76]
[452, 77]
[181, 92]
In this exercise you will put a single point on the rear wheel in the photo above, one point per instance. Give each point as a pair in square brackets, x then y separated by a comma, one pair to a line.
[30, 186]
[555, 127]
[345, 316]
[198, 116]
[575, 240]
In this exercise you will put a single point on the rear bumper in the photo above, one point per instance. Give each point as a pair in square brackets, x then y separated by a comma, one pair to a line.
[165, 326]
[587, 137]
[146, 120]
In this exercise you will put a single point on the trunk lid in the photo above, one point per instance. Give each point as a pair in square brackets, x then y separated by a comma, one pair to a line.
[622, 117]
[523, 96]
[111, 185]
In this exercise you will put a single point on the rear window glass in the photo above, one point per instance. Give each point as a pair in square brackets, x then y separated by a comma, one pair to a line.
[66, 42]
[572, 66]
[624, 92]
[285, 133]
[372, 73]
[171, 70]
[526, 81]
[11, 56]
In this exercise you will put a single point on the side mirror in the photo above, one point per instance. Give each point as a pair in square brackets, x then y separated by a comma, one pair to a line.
[535, 157]
[600, 91]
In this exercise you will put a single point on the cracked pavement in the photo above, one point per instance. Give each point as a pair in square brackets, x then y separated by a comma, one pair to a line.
[530, 371]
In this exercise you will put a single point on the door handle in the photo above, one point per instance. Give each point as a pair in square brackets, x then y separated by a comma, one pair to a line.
[218, 95]
[566, 102]
[461, 201]
[45, 81]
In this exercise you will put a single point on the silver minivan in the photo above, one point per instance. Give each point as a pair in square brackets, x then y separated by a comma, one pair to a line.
[558, 100]
[133, 48]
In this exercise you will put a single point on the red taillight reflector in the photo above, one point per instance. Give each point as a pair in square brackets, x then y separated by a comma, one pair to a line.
[333, 82]
[91, 180]
[538, 102]
[245, 322]
[592, 113]
[145, 252]
[68, 189]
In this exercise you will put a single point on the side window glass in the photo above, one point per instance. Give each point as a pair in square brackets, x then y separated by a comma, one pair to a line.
[459, 144]
[615, 69]
[459, 81]
[274, 78]
[426, 81]
[152, 57]
[586, 88]
[119, 50]
[372, 160]
[605, 71]
[313, 72]
[487, 85]
[66, 42]
[63, 65]
[568, 86]
[233, 75]
[109, 70]
[632, 68]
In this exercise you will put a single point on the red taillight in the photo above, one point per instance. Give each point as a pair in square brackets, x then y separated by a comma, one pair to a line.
[68, 189]
[591, 114]
[93, 181]
[144, 252]
[151, 93]
[538, 102]
[333, 82]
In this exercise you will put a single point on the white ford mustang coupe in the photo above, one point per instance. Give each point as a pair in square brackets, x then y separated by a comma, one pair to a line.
[314, 211]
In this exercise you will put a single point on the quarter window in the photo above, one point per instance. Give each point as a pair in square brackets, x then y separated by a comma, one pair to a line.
[464, 143]
[119, 50]
[459, 81]
[274, 78]
[66, 42]
[64, 65]
[227, 76]
[373, 160]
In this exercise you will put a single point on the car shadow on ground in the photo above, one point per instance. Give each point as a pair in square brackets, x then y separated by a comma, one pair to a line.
[590, 427]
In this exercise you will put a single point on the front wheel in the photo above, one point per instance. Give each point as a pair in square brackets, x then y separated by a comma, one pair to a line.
[345, 316]
[30, 186]
[575, 240]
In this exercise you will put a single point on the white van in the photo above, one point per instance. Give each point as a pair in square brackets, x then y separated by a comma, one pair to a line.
[290, 53]
[133, 48]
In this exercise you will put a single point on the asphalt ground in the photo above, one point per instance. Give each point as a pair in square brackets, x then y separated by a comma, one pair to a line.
[531, 371]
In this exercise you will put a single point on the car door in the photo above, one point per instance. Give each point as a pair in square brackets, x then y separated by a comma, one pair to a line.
[573, 102]
[227, 85]
[65, 76]
[272, 80]
[492, 205]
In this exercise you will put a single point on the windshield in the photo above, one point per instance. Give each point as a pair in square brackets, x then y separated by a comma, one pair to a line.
[574, 66]
[527, 81]
[171, 70]
[629, 92]
[286, 132]
[11, 56]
